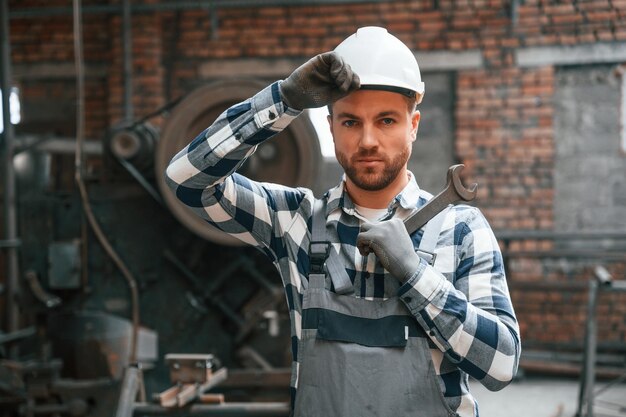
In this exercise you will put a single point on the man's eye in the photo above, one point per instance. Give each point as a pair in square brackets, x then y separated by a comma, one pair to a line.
[349, 123]
[388, 121]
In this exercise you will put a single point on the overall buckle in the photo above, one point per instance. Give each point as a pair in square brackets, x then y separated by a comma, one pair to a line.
[318, 253]
[429, 257]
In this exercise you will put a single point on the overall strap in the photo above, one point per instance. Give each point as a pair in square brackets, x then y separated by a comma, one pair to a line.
[432, 230]
[318, 246]
[322, 253]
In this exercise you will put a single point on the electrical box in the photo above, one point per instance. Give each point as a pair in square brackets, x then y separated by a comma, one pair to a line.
[64, 265]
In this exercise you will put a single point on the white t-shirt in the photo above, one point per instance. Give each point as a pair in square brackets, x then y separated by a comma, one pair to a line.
[370, 214]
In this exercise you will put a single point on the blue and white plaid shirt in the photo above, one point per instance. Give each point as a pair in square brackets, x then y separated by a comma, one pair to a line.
[462, 301]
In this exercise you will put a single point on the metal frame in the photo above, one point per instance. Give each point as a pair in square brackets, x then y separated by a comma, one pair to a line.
[602, 282]
[611, 253]
[11, 239]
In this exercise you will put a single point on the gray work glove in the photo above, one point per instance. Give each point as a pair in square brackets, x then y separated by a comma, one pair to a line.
[392, 245]
[321, 80]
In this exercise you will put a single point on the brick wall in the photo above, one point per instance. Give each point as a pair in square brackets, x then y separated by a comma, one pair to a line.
[147, 66]
[504, 136]
[551, 302]
[503, 113]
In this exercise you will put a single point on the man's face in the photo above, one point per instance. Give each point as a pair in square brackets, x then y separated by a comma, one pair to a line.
[373, 133]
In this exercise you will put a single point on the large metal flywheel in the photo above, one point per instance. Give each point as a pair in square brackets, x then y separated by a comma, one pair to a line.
[291, 158]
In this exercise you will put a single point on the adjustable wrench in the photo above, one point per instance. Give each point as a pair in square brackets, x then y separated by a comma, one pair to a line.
[454, 192]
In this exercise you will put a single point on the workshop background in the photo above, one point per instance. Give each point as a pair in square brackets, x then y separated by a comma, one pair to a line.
[530, 95]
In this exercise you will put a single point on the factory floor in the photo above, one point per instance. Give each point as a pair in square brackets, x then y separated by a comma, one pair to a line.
[541, 396]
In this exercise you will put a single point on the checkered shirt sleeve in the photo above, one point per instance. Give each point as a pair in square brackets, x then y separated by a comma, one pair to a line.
[469, 317]
[203, 173]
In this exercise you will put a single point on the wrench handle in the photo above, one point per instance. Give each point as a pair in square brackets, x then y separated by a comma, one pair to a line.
[418, 219]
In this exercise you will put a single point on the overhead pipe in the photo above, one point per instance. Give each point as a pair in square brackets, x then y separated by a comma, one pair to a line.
[8, 174]
[182, 5]
[57, 145]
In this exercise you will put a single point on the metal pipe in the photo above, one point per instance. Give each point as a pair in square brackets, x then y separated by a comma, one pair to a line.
[20, 334]
[552, 235]
[13, 243]
[141, 180]
[181, 5]
[514, 12]
[128, 393]
[8, 173]
[127, 38]
[226, 409]
[587, 387]
[606, 254]
[56, 145]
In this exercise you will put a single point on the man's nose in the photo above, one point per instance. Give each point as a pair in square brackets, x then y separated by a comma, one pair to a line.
[368, 138]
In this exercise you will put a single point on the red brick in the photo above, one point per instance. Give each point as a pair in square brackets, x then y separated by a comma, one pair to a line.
[565, 8]
[595, 5]
[525, 10]
[566, 39]
[605, 36]
[431, 26]
[532, 90]
[567, 19]
[455, 44]
[586, 38]
[510, 42]
[620, 34]
[601, 16]
[466, 23]
[400, 26]
[431, 16]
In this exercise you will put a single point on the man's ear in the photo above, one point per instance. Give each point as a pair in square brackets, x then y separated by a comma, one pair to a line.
[415, 121]
[330, 124]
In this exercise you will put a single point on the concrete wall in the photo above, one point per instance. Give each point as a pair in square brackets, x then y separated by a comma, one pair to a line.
[590, 175]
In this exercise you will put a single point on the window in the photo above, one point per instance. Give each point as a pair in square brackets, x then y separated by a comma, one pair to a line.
[14, 104]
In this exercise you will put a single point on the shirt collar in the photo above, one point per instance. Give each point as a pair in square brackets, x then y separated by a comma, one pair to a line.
[408, 198]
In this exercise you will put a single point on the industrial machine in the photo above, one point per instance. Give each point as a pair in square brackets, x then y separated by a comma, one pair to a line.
[190, 312]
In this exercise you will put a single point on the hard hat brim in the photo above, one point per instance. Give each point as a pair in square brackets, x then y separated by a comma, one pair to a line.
[393, 89]
[384, 82]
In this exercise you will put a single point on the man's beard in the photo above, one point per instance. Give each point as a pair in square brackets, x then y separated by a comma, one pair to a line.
[368, 179]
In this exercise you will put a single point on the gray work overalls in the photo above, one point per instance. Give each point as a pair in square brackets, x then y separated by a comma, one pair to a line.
[360, 357]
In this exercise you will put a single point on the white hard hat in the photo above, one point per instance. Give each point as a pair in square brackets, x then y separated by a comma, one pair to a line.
[382, 61]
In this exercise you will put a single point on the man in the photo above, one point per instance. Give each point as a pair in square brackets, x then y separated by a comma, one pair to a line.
[380, 325]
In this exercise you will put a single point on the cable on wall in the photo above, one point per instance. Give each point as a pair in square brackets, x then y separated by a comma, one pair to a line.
[93, 222]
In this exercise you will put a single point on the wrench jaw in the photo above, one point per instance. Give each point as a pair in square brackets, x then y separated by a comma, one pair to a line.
[454, 192]
[454, 180]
